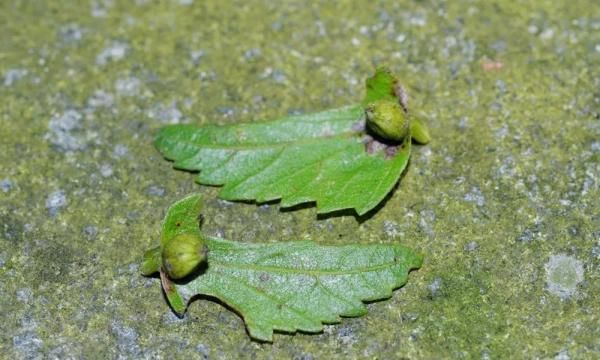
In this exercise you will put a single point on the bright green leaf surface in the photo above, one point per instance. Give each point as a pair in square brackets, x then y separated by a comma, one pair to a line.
[324, 157]
[381, 86]
[300, 285]
[319, 157]
[291, 286]
[181, 218]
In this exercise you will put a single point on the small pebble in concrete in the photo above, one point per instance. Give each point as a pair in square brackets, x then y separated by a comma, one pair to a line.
[13, 75]
[435, 286]
[275, 74]
[155, 190]
[25, 295]
[471, 246]
[63, 131]
[196, 56]
[71, 33]
[113, 52]
[475, 196]
[127, 338]
[391, 228]
[90, 232]
[100, 8]
[252, 53]
[120, 151]
[530, 233]
[56, 201]
[166, 114]
[409, 316]
[100, 99]
[203, 351]
[596, 250]
[279, 76]
[6, 185]
[346, 335]
[28, 344]
[426, 221]
[106, 170]
[563, 274]
[562, 355]
[225, 111]
[128, 86]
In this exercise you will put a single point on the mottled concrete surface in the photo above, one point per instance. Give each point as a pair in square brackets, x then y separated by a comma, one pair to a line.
[504, 202]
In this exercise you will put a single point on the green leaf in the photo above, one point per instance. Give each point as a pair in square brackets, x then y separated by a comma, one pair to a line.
[294, 286]
[326, 157]
[183, 217]
[381, 86]
[299, 285]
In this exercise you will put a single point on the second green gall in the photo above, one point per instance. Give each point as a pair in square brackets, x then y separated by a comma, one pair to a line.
[387, 119]
[182, 255]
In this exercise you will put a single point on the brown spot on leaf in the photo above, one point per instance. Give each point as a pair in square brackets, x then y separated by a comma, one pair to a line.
[400, 93]
[358, 126]
[391, 151]
[264, 277]
[166, 282]
[369, 146]
[373, 146]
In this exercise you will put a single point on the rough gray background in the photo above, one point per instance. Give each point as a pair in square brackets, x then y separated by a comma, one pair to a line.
[503, 202]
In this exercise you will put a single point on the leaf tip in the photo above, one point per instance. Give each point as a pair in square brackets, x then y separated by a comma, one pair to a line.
[416, 261]
[162, 133]
[259, 333]
[174, 299]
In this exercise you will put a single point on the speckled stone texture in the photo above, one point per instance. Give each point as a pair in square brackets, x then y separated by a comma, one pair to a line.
[504, 201]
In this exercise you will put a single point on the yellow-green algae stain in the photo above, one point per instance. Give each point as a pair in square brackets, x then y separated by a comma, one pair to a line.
[508, 88]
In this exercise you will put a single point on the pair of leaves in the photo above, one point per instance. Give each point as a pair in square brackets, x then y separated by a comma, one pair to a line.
[326, 157]
[295, 286]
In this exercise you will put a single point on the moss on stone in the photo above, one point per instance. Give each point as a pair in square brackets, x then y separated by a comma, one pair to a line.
[508, 90]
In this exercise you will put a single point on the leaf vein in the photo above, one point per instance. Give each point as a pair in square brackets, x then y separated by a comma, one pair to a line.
[300, 271]
[232, 186]
[246, 147]
[267, 295]
[318, 162]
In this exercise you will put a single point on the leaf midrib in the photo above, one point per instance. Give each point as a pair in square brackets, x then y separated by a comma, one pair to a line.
[294, 271]
[238, 147]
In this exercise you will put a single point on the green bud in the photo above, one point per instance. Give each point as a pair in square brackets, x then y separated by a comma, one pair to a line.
[419, 132]
[151, 261]
[182, 255]
[387, 119]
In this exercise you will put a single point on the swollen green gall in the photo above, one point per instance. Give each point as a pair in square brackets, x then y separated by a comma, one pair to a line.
[387, 119]
[182, 255]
